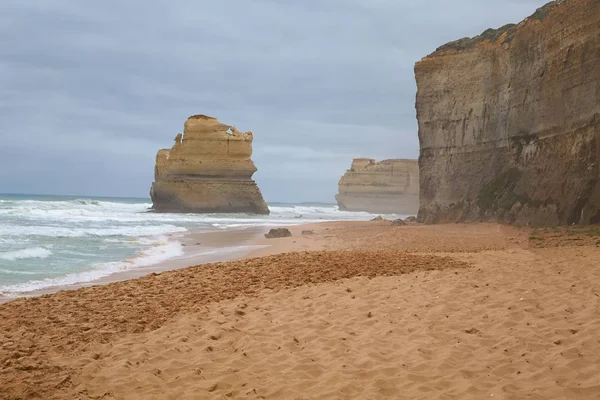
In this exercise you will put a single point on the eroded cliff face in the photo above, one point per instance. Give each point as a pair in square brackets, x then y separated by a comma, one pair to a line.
[209, 169]
[509, 122]
[390, 186]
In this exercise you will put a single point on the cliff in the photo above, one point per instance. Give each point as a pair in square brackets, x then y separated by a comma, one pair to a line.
[208, 169]
[509, 122]
[390, 186]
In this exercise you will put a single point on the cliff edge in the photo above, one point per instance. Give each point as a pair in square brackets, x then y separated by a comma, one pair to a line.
[390, 186]
[509, 122]
[209, 169]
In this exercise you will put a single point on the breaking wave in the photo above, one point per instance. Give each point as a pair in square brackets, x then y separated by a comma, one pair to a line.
[33, 252]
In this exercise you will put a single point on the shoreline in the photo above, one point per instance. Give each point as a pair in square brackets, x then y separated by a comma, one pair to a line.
[89, 242]
[199, 248]
[241, 243]
[206, 247]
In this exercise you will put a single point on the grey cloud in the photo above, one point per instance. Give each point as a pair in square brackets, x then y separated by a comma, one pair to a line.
[90, 90]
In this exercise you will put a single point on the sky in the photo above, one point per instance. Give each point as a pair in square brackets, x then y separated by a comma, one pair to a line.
[91, 90]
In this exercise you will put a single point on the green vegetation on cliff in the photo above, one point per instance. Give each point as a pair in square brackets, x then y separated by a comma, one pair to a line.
[495, 34]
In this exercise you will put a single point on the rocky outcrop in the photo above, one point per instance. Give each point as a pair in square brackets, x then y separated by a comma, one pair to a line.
[208, 170]
[390, 186]
[509, 122]
[278, 233]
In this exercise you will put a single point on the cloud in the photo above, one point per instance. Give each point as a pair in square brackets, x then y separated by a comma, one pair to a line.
[92, 90]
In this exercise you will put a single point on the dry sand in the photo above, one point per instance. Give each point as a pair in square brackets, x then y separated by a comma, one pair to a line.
[414, 312]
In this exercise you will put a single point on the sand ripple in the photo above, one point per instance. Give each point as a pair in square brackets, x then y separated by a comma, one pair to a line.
[518, 325]
[37, 332]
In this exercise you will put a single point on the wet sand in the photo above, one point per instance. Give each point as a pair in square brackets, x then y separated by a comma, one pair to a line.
[353, 310]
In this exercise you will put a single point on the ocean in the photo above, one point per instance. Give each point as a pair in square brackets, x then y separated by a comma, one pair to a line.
[50, 241]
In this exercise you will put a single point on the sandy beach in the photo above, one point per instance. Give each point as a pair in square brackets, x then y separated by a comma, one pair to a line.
[355, 310]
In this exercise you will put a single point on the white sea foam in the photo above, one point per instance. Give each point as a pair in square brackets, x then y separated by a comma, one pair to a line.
[32, 252]
[7, 241]
[12, 230]
[163, 251]
[16, 272]
[86, 211]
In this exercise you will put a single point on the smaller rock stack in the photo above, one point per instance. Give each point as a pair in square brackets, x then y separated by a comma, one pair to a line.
[388, 187]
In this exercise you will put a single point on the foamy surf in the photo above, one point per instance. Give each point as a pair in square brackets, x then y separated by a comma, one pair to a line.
[12, 230]
[162, 251]
[33, 252]
[49, 241]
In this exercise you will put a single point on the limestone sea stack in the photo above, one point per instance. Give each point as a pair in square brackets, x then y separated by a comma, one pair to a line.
[390, 186]
[509, 121]
[208, 170]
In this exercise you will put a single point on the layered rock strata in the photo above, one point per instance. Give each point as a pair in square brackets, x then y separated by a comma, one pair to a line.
[509, 122]
[208, 170]
[390, 186]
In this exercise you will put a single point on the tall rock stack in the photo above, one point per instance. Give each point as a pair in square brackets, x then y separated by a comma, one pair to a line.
[509, 121]
[390, 186]
[208, 170]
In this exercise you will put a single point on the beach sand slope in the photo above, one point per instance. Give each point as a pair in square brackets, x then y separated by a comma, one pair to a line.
[491, 317]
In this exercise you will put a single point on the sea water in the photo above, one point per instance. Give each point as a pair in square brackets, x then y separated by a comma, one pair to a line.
[48, 241]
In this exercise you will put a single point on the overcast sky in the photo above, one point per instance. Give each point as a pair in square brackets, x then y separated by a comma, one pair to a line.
[91, 90]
